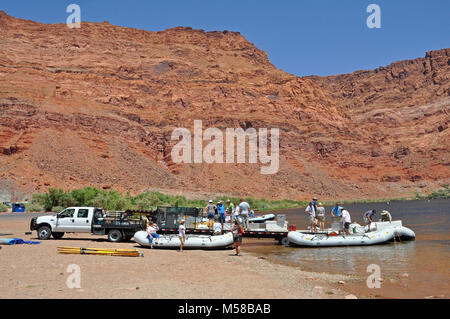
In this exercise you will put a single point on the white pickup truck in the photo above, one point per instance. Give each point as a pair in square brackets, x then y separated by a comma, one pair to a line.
[87, 220]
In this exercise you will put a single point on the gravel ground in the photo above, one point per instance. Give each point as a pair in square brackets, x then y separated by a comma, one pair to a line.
[38, 271]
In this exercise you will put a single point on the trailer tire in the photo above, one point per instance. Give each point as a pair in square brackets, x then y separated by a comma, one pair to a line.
[44, 232]
[284, 241]
[115, 235]
[57, 235]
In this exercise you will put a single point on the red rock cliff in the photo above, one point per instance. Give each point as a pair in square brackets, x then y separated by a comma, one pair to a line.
[97, 106]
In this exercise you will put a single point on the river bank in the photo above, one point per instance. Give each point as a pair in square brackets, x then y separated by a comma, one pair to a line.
[38, 271]
[412, 269]
[57, 199]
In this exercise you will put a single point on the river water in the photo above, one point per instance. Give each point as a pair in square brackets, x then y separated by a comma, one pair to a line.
[413, 269]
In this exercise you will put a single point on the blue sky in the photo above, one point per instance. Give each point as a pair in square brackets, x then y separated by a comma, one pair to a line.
[302, 37]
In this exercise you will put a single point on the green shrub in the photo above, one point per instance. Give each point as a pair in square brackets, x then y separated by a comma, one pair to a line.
[3, 208]
[34, 207]
[57, 209]
[439, 194]
[57, 199]
[83, 196]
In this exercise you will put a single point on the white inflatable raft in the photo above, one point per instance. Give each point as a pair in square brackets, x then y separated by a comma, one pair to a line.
[325, 240]
[261, 218]
[192, 241]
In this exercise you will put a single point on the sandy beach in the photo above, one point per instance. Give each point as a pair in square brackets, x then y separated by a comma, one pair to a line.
[38, 271]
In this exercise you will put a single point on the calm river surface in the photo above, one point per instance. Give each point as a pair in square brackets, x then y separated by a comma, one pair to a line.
[414, 269]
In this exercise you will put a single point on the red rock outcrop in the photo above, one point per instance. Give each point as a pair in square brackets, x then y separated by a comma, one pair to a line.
[97, 106]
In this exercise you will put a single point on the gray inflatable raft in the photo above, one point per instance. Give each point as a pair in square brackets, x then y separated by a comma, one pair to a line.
[192, 241]
[325, 240]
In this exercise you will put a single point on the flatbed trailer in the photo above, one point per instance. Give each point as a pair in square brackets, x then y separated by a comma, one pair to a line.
[281, 236]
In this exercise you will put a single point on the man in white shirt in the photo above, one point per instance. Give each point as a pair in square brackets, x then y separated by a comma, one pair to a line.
[217, 227]
[346, 220]
[311, 211]
[244, 207]
[182, 234]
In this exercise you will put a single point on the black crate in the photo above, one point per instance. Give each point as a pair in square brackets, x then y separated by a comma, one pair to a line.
[170, 217]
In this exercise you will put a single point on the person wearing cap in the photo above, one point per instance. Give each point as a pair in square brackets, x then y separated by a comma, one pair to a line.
[182, 234]
[311, 211]
[221, 211]
[386, 216]
[321, 216]
[210, 209]
[368, 217]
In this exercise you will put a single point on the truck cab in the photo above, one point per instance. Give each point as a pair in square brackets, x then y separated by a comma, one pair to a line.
[70, 220]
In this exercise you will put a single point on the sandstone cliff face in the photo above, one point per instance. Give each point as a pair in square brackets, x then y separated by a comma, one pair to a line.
[97, 106]
[404, 109]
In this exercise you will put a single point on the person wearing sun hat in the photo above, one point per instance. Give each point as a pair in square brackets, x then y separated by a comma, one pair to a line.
[210, 209]
[386, 216]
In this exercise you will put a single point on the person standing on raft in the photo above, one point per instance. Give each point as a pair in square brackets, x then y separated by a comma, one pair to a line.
[368, 218]
[346, 220]
[311, 210]
[210, 209]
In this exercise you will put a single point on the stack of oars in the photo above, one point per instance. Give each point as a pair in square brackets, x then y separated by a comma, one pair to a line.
[100, 251]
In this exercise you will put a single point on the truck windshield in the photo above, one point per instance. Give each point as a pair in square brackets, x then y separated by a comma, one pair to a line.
[66, 213]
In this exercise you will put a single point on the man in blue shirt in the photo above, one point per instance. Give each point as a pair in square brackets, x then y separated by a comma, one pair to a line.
[336, 211]
[221, 211]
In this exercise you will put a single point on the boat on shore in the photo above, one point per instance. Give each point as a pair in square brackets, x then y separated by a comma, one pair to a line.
[172, 241]
[379, 233]
[261, 218]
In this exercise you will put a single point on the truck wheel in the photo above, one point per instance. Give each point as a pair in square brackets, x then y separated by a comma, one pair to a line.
[44, 232]
[284, 241]
[114, 235]
[57, 235]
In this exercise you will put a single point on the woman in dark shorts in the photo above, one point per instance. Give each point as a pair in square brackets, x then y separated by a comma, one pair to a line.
[237, 230]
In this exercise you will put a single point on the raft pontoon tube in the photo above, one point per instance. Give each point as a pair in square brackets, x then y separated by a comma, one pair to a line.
[192, 241]
[326, 240]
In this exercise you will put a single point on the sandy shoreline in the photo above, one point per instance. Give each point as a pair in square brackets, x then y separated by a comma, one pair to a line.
[38, 271]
